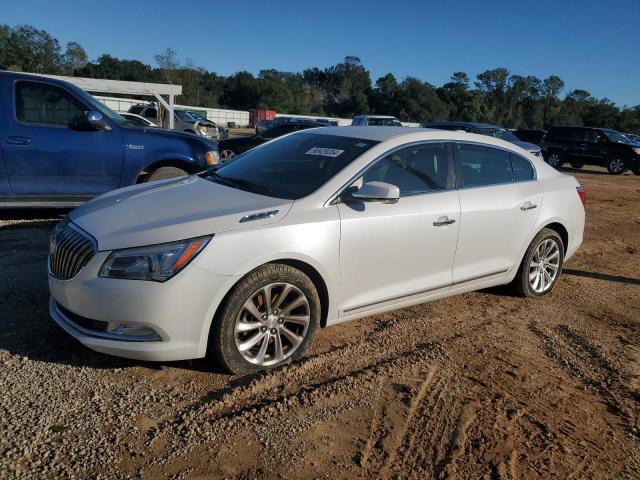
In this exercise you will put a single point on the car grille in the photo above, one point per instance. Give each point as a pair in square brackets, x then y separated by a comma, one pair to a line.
[69, 250]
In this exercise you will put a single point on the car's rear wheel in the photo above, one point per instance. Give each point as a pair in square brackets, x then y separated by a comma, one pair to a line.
[615, 166]
[227, 155]
[577, 164]
[554, 159]
[269, 318]
[541, 266]
[163, 173]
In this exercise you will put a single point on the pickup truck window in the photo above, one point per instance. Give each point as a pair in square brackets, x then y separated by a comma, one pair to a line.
[45, 104]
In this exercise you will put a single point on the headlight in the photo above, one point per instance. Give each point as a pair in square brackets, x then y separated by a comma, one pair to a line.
[637, 150]
[156, 262]
[212, 157]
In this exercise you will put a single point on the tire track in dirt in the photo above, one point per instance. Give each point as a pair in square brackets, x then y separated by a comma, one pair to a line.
[585, 363]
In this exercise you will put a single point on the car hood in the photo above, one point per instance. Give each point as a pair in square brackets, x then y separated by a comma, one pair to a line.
[171, 210]
[165, 135]
[530, 147]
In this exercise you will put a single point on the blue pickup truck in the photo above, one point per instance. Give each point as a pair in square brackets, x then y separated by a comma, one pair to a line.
[59, 146]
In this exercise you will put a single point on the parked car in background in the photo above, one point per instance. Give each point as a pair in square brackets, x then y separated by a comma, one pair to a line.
[248, 261]
[591, 146]
[137, 119]
[232, 147]
[262, 125]
[61, 146]
[184, 120]
[530, 136]
[375, 121]
[485, 129]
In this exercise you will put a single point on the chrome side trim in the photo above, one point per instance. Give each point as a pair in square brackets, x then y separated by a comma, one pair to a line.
[259, 216]
[419, 292]
[478, 277]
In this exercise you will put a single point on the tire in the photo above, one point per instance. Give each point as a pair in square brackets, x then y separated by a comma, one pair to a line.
[577, 164]
[636, 170]
[555, 159]
[524, 283]
[237, 338]
[227, 155]
[616, 166]
[163, 173]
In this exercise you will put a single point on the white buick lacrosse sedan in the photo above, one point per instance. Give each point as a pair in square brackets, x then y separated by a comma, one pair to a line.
[246, 262]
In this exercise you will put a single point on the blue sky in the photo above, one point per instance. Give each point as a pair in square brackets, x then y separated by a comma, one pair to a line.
[590, 44]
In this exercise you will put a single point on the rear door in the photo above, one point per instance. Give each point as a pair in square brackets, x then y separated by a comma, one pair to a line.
[44, 155]
[395, 252]
[499, 202]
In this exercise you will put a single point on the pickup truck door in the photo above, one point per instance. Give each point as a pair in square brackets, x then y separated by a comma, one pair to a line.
[44, 156]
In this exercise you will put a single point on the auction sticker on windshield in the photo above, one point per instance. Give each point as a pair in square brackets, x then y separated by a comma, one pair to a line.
[325, 152]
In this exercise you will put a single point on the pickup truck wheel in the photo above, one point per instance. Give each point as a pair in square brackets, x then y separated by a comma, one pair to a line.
[615, 166]
[554, 159]
[577, 164]
[227, 155]
[270, 318]
[164, 173]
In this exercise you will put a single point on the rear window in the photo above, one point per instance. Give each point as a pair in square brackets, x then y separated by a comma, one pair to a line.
[136, 109]
[384, 122]
[291, 167]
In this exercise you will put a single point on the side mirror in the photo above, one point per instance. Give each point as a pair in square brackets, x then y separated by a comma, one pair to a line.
[377, 192]
[95, 121]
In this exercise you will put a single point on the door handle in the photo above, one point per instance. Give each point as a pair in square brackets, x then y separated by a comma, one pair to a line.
[18, 140]
[443, 221]
[528, 206]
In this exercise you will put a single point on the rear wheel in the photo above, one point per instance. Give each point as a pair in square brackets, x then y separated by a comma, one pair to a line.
[615, 166]
[163, 173]
[541, 265]
[270, 318]
[554, 159]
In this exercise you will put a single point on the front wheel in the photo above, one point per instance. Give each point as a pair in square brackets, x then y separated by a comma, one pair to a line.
[636, 170]
[554, 159]
[270, 318]
[615, 166]
[163, 173]
[577, 164]
[541, 265]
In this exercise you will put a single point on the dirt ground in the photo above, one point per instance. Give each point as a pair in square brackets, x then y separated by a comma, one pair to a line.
[483, 385]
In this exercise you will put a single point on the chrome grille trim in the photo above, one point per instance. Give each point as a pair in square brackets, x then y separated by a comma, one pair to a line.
[70, 249]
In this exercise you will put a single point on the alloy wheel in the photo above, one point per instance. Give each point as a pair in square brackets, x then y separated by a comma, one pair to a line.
[272, 324]
[228, 154]
[554, 160]
[544, 266]
[616, 165]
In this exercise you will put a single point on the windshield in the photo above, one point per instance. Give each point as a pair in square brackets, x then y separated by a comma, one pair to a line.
[616, 136]
[291, 167]
[100, 107]
[384, 122]
[501, 133]
[184, 116]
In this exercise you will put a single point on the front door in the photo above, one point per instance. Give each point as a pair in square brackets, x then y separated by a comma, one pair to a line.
[393, 252]
[44, 155]
[500, 202]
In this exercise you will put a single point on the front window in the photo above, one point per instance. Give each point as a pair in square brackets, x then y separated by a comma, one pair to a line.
[46, 104]
[99, 106]
[616, 136]
[501, 133]
[292, 167]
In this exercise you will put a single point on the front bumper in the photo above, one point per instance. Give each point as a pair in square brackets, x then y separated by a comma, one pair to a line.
[179, 311]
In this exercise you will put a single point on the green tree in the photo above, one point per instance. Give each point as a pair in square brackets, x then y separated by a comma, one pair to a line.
[74, 58]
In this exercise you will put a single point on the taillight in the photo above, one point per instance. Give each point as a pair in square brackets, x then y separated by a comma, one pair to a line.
[582, 194]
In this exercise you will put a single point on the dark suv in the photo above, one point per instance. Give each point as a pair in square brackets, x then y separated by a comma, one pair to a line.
[591, 146]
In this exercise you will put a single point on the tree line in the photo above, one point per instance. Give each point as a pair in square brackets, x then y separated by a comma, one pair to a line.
[495, 96]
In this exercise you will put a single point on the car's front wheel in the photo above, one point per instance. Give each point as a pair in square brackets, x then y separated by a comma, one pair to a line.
[554, 159]
[541, 265]
[615, 166]
[269, 318]
[163, 173]
[577, 164]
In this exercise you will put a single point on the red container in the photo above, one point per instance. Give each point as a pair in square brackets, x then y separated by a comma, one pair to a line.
[255, 115]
